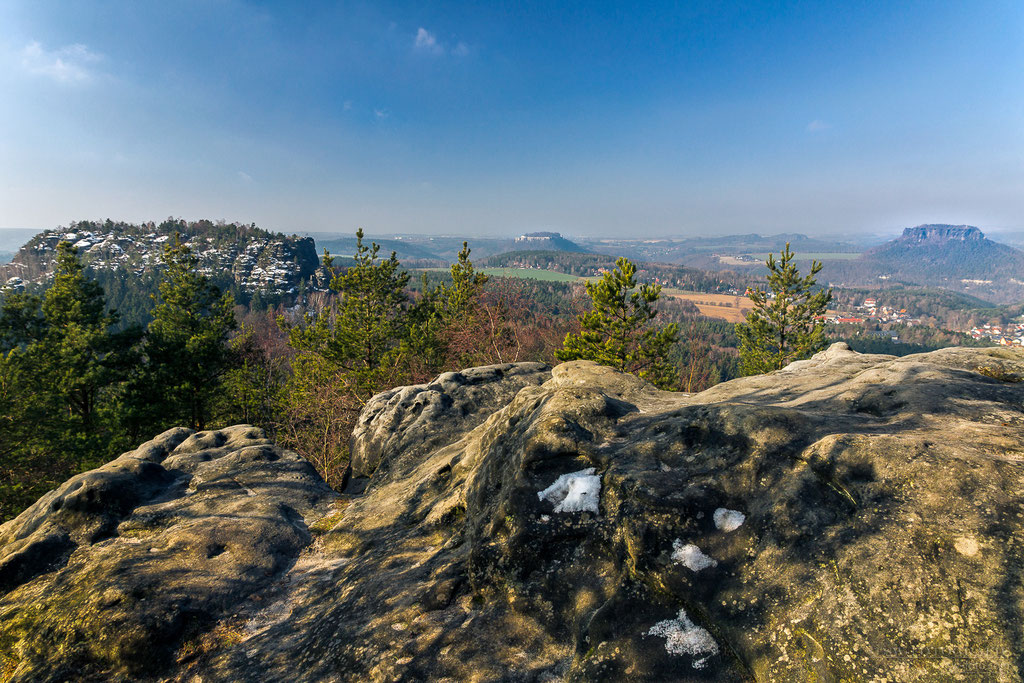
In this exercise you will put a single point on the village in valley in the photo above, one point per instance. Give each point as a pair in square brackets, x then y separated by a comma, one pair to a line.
[1004, 335]
[871, 311]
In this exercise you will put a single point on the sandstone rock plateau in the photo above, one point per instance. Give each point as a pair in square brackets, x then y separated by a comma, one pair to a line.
[850, 517]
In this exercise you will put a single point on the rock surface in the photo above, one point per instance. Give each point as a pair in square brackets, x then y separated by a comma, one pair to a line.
[850, 517]
[121, 570]
[250, 258]
[412, 420]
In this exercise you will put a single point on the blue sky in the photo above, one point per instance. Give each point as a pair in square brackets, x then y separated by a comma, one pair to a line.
[600, 119]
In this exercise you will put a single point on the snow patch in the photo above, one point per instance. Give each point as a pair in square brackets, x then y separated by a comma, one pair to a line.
[691, 557]
[683, 637]
[729, 520]
[575, 492]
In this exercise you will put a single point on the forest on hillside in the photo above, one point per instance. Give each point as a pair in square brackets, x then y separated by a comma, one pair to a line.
[94, 363]
[589, 265]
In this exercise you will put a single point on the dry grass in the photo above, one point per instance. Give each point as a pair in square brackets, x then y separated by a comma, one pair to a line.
[726, 307]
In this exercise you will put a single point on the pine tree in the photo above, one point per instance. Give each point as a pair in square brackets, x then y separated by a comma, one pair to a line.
[78, 339]
[21, 319]
[186, 342]
[618, 330]
[459, 301]
[445, 322]
[61, 368]
[360, 331]
[784, 324]
[348, 350]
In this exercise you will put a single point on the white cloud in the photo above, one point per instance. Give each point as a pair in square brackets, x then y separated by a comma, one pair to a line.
[817, 126]
[70, 64]
[381, 113]
[244, 177]
[426, 42]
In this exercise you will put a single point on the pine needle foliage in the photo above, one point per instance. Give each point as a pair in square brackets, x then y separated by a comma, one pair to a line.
[784, 324]
[618, 331]
[446, 316]
[78, 338]
[187, 339]
[359, 330]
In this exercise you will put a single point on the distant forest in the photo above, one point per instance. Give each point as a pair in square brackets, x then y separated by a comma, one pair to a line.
[588, 265]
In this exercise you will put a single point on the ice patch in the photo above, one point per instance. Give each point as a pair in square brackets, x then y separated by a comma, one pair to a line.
[691, 557]
[683, 637]
[729, 520]
[575, 492]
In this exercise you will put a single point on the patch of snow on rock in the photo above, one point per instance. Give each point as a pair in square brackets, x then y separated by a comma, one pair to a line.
[729, 520]
[691, 557]
[683, 637]
[575, 492]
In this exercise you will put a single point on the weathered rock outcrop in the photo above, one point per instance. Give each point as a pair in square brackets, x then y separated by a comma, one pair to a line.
[245, 256]
[851, 517]
[410, 421]
[112, 574]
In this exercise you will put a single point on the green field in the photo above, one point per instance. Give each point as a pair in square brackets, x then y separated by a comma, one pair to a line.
[527, 273]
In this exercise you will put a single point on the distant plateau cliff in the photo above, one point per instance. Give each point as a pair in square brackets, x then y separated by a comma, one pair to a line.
[244, 255]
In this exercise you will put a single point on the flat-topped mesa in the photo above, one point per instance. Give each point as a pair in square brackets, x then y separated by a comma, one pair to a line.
[850, 517]
[250, 258]
[942, 233]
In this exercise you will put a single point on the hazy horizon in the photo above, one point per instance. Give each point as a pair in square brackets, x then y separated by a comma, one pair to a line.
[7, 238]
[597, 121]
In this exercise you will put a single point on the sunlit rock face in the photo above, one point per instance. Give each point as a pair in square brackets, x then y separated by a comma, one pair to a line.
[253, 260]
[850, 517]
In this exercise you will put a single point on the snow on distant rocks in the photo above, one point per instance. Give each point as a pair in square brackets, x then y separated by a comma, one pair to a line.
[728, 520]
[691, 557]
[574, 492]
[683, 637]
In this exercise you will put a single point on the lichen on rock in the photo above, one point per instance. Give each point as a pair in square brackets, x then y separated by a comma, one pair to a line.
[864, 513]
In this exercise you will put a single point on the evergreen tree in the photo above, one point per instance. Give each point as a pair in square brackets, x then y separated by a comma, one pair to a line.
[186, 344]
[348, 350]
[784, 324]
[445, 322]
[618, 329]
[61, 368]
[74, 349]
[253, 389]
[360, 330]
[21, 319]
[459, 301]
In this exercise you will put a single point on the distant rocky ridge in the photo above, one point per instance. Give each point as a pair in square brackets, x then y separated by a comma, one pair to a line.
[940, 233]
[850, 517]
[544, 241]
[954, 257]
[251, 258]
